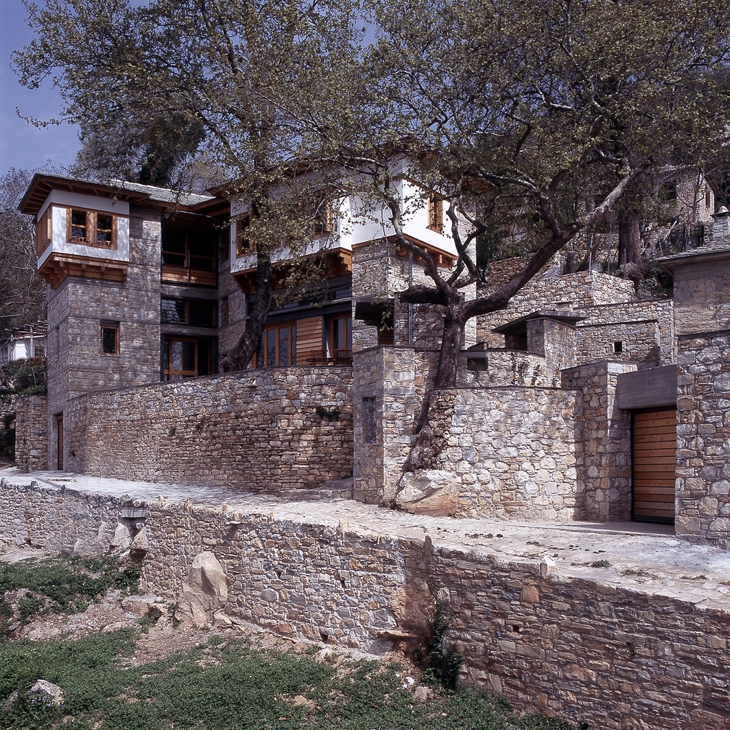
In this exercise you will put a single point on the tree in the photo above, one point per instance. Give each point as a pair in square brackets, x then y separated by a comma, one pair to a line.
[223, 76]
[538, 118]
[22, 292]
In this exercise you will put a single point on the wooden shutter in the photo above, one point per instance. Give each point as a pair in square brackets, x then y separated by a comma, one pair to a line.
[309, 338]
[655, 460]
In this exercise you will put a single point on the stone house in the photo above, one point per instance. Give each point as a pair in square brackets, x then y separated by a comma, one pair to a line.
[578, 402]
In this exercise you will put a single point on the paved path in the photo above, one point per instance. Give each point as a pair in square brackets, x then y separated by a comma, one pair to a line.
[646, 557]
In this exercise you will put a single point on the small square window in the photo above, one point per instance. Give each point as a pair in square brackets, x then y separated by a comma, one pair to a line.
[618, 347]
[110, 339]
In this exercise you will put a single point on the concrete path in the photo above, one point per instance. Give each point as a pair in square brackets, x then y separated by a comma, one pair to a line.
[648, 558]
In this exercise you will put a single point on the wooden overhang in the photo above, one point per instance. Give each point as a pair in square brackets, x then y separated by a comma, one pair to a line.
[150, 196]
[41, 187]
[519, 326]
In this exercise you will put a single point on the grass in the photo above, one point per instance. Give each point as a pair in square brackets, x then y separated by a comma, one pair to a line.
[222, 685]
[227, 685]
[60, 585]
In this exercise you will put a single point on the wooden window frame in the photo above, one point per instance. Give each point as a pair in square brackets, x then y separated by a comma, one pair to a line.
[44, 231]
[323, 224]
[188, 274]
[435, 213]
[169, 339]
[112, 327]
[92, 217]
[288, 325]
[186, 321]
[338, 353]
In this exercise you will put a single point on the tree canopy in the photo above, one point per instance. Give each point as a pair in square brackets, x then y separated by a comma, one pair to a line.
[533, 120]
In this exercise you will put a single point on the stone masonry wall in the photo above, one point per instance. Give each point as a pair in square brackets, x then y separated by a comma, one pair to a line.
[505, 367]
[77, 308]
[603, 453]
[561, 293]
[258, 430]
[506, 452]
[586, 650]
[31, 433]
[389, 385]
[646, 329]
[703, 438]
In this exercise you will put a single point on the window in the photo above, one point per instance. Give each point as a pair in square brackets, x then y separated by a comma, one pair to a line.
[340, 336]
[193, 312]
[323, 216]
[225, 312]
[369, 424]
[244, 243]
[618, 347]
[186, 357]
[91, 228]
[189, 256]
[110, 338]
[668, 191]
[44, 231]
[279, 345]
[435, 213]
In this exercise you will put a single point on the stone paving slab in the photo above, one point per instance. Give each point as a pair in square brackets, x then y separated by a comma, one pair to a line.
[643, 557]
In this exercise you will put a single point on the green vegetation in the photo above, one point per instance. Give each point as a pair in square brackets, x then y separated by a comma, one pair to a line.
[60, 585]
[442, 663]
[228, 684]
[224, 684]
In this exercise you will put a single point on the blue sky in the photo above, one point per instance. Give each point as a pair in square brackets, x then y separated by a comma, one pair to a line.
[22, 145]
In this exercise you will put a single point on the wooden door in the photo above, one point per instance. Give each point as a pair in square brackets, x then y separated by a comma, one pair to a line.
[654, 464]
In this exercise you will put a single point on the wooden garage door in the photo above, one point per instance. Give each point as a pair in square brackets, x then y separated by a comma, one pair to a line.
[655, 459]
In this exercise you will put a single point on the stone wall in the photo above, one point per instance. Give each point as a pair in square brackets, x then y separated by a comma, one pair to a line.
[702, 293]
[31, 433]
[507, 452]
[703, 438]
[259, 430]
[585, 650]
[645, 329]
[75, 313]
[389, 385]
[562, 293]
[483, 368]
[603, 453]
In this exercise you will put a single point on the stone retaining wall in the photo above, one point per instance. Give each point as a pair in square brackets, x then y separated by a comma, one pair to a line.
[259, 430]
[585, 650]
[703, 438]
[506, 452]
[603, 453]
[31, 433]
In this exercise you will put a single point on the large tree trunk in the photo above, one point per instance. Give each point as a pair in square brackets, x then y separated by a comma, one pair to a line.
[629, 245]
[424, 448]
[250, 342]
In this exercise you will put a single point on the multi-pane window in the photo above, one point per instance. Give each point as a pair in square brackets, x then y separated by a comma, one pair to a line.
[193, 312]
[279, 345]
[109, 338]
[189, 256]
[186, 357]
[340, 336]
[91, 228]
